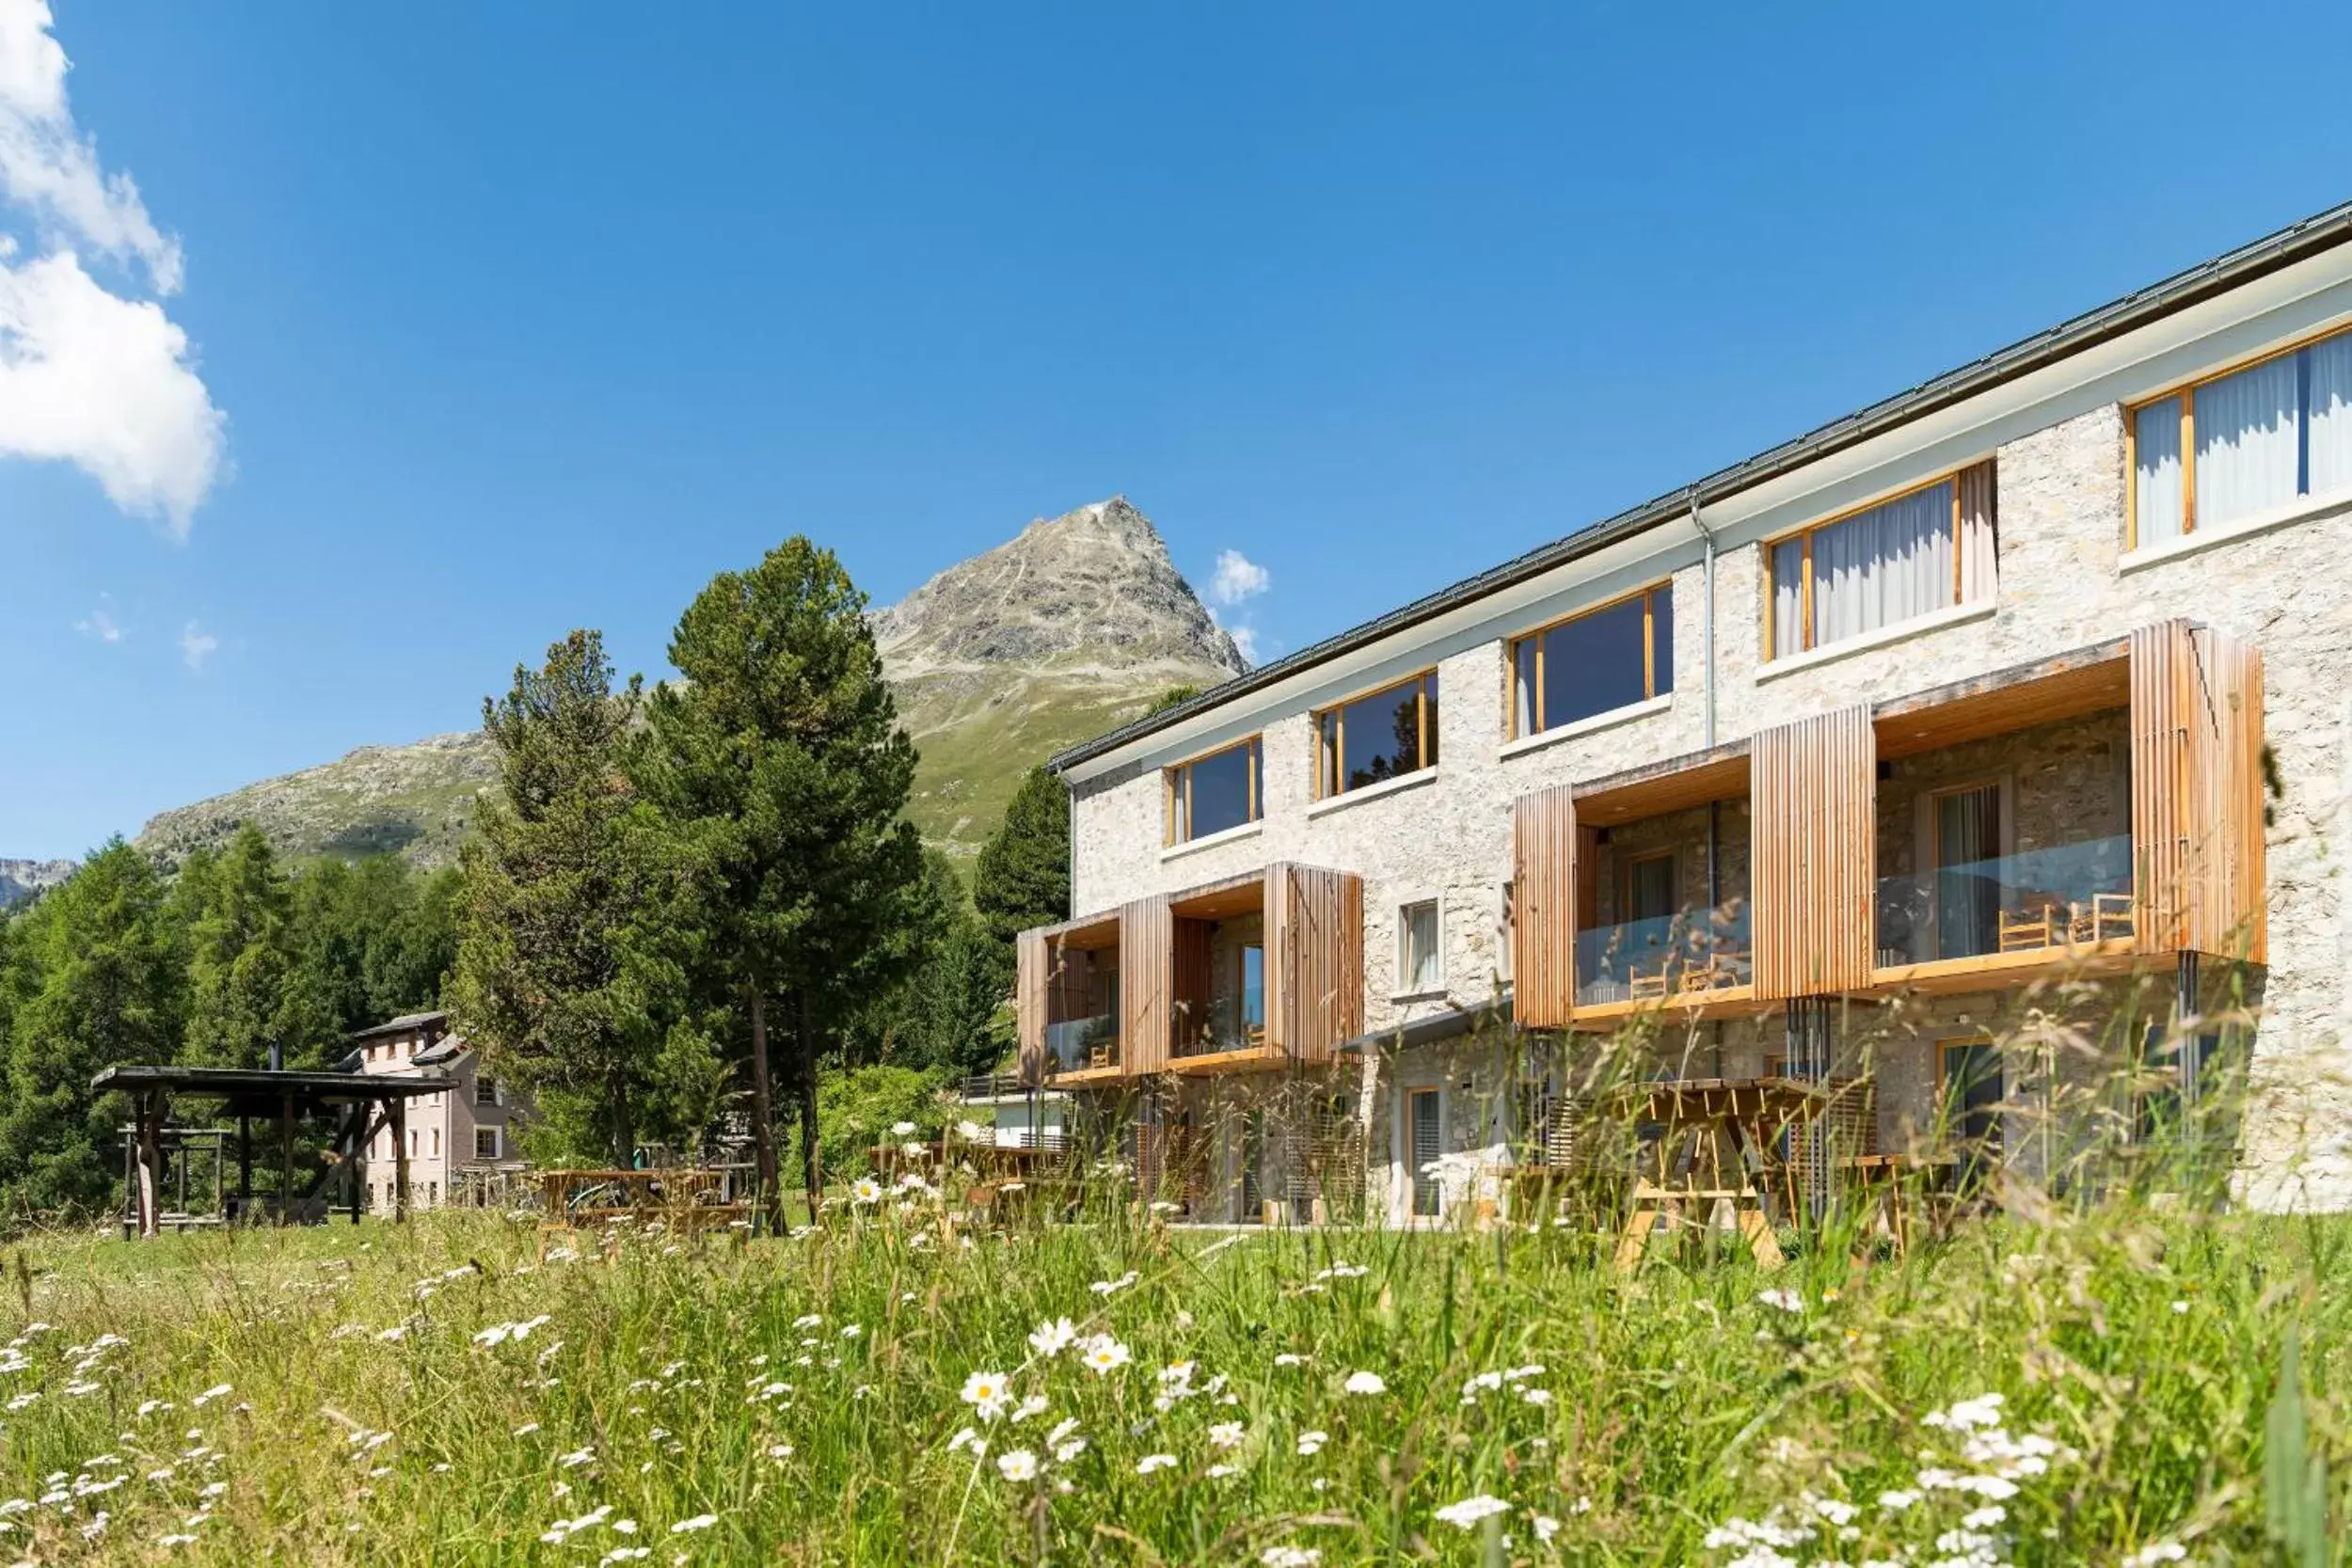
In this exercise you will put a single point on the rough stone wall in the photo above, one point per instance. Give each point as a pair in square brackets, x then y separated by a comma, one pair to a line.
[2062, 528]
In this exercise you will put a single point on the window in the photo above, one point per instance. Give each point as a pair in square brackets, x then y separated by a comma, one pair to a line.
[437, 1143]
[1384, 734]
[485, 1091]
[485, 1142]
[1253, 990]
[1593, 662]
[1646, 888]
[1426, 1131]
[1926, 550]
[1970, 1086]
[1420, 965]
[2236, 444]
[1211, 794]
[1506, 933]
[412, 1143]
[2187, 1078]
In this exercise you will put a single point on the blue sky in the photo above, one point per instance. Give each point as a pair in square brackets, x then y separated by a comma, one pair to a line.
[504, 319]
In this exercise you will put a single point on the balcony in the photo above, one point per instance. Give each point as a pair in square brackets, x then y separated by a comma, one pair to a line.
[1082, 1044]
[1688, 955]
[2075, 898]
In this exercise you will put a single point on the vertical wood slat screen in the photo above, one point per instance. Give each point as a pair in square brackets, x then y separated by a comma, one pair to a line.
[1543, 843]
[1029, 1003]
[1146, 961]
[1314, 958]
[1814, 787]
[1190, 984]
[2197, 792]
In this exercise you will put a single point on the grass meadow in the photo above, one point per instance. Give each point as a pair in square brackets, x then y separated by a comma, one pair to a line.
[2127, 1385]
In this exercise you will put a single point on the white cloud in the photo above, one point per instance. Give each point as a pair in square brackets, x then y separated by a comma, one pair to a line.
[1238, 577]
[101, 623]
[1244, 639]
[197, 645]
[103, 382]
[49, 166]
[88, 375]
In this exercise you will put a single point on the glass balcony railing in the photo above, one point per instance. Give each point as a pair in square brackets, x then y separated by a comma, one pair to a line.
[2038, 898]
[1082, 1042]
[1676, 955]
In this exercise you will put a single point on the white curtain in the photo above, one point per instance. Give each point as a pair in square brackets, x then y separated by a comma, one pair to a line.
[2157, 477]
[2248, 442]
[1883, 565]
[1787, 598]
[2331, 428]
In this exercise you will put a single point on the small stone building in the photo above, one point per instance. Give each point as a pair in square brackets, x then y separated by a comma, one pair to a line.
[461, 1143]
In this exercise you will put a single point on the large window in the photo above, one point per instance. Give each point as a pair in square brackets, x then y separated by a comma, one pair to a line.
[1252, 995]
[1605, 659]
[1922, 551]
[1385, 735]
[485, 1142]
[2241, 444]
[1213, 793]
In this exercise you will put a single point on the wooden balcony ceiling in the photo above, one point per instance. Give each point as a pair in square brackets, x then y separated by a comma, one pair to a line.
[1087, 933]
[2073, 685]
[1221, 900]
[1659, 787]
[1249, 1058]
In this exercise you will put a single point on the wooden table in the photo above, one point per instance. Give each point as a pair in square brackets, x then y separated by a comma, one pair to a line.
[1721, 1144]
[1891, 1183]
[683, 1197]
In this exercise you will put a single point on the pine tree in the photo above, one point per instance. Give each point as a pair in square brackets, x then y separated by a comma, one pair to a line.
[1022, 878]
[575, 922]
[245, 986]
[94, 978]
[783, 754]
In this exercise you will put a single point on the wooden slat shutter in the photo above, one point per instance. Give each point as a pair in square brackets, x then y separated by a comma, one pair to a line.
[1314, 959]
[1813, 791]
[1029, 1003]
[1544, 845]
[2197, 792]
[1146, 961]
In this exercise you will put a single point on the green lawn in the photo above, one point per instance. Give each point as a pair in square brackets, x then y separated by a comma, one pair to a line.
[346, 1394]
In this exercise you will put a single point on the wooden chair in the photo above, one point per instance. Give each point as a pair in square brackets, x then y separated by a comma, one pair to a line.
[2040, 921]
[1646, 986]
[2107, 914]
[1098, 1056]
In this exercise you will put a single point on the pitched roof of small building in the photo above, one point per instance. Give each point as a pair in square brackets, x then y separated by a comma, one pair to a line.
[400, 1026]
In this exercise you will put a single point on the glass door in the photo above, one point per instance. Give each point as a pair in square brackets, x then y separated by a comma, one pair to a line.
[1426, 1131]
[1967, 871]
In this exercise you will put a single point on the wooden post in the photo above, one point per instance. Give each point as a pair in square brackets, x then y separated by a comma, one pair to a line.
[398, 1112]
[285, 1158]
[244, 1168]
[151, 1169]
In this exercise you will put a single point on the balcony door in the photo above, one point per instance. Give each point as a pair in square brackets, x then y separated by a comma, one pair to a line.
[1969, 1078]
[1966, 829]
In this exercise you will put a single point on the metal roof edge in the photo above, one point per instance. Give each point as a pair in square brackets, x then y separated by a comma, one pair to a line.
[2281, 248]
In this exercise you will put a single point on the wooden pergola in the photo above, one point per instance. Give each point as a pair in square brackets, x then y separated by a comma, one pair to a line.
[357, 1106]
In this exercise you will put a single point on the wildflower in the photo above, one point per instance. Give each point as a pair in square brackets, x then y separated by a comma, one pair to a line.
[1020, 1464]
[1219, 1472]
[525, 1430]
[1469, 1510]
[215, 1391]
[1896, 1501]
[1152, 1461]
[1033, 1405]
[867, 1190]
[1105, 1354]
[1224, 1434]
[807, 1320]
[986, 1393]
[1310, 1443]
[963, 1435]
[2157, 1552]
[1546, 1527]
[903, 1129]
[1065, 1452]
[700, 1521]
[1112, 1287]
[851, 1331]
[1162, 1206]
[1290, 1358]
[1982, 1411]
[1788, 1301]
[2178, 1307]
[1053, 1337]
[1366, 1383]
[784, 1450]
[1290, 1557]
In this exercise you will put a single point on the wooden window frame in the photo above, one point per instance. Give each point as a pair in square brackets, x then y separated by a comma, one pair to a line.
[2185, 391]
[1174, 772]
[1338, 710]
[496, 1143]
[1648, 593]
[1625, 878]
[1805, 602]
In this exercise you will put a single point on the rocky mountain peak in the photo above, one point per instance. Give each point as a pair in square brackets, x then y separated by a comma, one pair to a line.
[1092, 585]
[21, 880]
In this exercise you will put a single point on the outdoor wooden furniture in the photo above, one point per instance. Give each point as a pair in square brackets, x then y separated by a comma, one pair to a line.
[2107, 914]
[1720, 1145]
[682, 1198]
[2040, 921]
[1646, 986]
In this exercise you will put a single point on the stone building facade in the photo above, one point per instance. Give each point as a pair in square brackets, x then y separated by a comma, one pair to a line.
[2052, 417]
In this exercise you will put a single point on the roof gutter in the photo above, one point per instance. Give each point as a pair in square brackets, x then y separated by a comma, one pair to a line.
[2269, 254]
